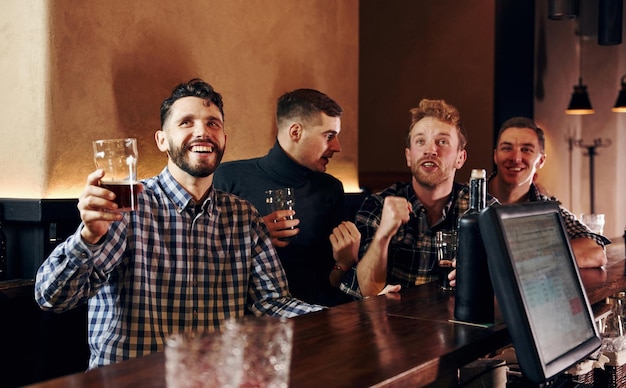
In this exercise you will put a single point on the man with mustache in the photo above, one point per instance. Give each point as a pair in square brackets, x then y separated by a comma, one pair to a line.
[308, 125]
[188, 258]
[399, 224]
[518, 155]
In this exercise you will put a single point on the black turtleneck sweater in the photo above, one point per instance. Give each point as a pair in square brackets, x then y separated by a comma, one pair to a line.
[319, 205]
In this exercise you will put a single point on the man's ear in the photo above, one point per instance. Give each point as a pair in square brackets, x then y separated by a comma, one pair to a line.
[541, 161]
[161, 140]
[295, 131]
[407, 156]
[461, 158]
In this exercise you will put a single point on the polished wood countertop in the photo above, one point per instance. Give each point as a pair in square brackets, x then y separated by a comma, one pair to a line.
[602, 282]
[403, 339]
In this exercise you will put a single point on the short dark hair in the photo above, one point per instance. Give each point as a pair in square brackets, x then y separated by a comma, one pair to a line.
[305, 104]
[194, 88]
[523, 122]
[442, 111]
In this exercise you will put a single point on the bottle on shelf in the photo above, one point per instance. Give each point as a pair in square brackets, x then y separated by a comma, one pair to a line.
[474, 298]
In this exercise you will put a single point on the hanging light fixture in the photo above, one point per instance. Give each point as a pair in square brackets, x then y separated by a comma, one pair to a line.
[580, 103]
[620, 103]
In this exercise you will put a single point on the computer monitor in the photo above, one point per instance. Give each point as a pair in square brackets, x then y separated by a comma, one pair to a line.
[538, 288]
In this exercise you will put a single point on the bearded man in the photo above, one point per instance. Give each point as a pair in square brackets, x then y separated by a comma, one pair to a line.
[399, 224]
[189, 257]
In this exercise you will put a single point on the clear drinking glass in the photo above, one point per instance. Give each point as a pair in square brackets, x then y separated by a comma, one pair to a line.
[204, 359]
[445, 242]
[594, 221]
[280, 199]
[267, 350]
[118, 159]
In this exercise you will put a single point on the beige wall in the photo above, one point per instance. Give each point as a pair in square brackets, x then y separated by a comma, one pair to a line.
[76, 71]
[23, 96]
[566, 172]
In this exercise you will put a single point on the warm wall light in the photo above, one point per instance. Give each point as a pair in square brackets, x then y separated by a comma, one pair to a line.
[620, 103]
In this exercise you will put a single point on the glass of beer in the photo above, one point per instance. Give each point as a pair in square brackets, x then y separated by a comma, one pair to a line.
[445, 242]
[118, 159]
[280, 199]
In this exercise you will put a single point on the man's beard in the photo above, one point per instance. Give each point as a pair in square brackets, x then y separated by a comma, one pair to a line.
[429, 181]
[201, 170]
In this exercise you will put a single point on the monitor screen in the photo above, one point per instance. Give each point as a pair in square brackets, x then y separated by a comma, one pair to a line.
[538, 288]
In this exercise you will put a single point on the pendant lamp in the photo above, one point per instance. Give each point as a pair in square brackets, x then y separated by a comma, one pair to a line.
[580, 103]
[620, 103]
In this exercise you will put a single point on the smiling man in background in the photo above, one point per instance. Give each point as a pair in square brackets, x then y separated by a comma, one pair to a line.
[399, 224]
[518, 155]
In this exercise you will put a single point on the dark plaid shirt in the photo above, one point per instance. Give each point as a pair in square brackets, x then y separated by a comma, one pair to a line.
[171, 266]
[412, 256]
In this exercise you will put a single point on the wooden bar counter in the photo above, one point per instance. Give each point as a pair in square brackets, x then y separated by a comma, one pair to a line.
[403, 339]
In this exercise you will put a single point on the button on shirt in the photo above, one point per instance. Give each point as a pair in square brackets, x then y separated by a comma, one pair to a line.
[168, 267]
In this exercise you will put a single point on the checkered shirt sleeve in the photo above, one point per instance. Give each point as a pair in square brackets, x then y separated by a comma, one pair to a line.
[574, 228]
[168, 268]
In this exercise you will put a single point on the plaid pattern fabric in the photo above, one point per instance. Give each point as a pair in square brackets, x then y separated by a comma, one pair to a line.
[170, 266]
[412, 257]
[574, 228]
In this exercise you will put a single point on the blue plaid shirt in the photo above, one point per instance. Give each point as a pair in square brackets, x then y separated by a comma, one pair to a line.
[171, 266]
[412, 256]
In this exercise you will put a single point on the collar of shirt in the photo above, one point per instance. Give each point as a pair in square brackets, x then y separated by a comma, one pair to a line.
[181, 197]
[278, 164]
[535, 195]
